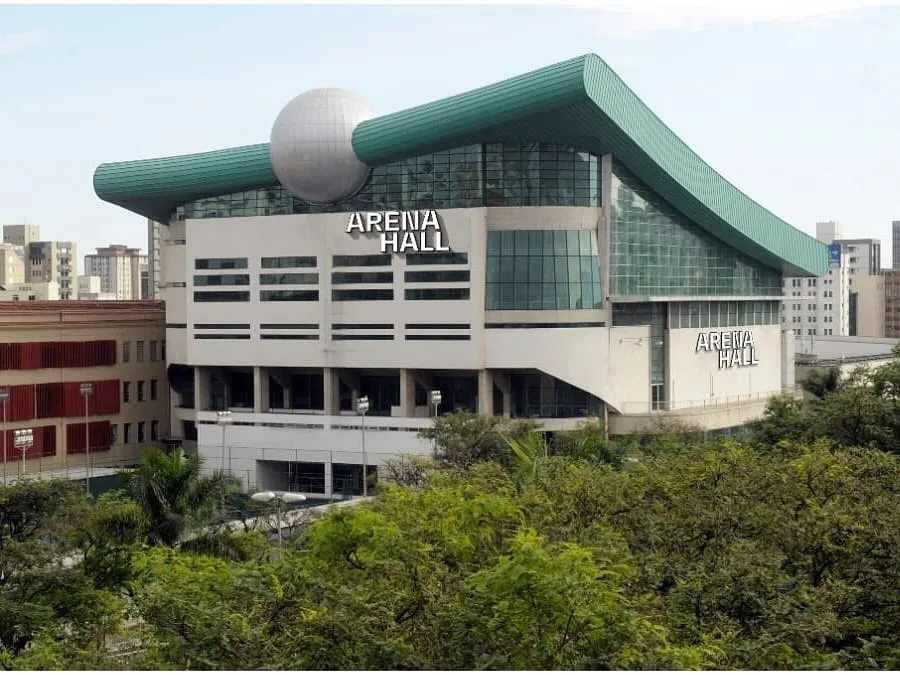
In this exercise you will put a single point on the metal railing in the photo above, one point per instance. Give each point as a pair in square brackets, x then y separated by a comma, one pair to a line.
[693, 405]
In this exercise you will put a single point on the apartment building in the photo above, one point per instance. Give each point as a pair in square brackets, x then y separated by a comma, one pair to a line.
[21, 235]
[12, 264]
[122, 271]
[895, 244]
[51, 351]
[155, 233]
[53, 261]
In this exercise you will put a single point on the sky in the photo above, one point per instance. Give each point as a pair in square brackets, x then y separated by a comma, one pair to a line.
[799, 107]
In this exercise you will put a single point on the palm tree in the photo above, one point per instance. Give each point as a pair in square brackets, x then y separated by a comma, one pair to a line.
[173, 494]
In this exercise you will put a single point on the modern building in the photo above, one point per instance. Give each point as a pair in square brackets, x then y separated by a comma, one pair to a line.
[50, 350]
[38, 291]
[121, 271]
[544, 247]
[55, 261]
[21, 235]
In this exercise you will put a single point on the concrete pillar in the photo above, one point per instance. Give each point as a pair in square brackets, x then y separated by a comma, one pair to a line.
[485, 392]
[407, 394]
[351, 379]
[329, 479]
[283, 379]
[260, 390]
[331, 386]
[201, 388]
[501, 381]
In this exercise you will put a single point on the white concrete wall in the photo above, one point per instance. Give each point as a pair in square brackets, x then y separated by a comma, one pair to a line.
[695, 377]
[305, 438]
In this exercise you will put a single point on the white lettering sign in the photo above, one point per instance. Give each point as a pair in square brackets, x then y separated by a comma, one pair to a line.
[401, 231]
[735, 348]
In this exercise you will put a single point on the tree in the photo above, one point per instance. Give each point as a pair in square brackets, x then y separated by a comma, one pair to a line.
[463, 439]
[174, 495]
[821, 382]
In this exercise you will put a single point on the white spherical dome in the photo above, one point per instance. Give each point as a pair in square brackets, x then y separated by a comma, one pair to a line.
[311, 145]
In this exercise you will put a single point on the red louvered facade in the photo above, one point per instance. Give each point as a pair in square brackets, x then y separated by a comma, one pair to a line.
[61, 399]
[37, 355]
[44, 444]
[100, 437]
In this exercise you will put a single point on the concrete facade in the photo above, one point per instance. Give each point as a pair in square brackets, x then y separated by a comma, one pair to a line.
[237, 355]
[120, 271]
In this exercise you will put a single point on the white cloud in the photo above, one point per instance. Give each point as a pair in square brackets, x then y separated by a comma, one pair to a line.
[664, 15]
[13, 43]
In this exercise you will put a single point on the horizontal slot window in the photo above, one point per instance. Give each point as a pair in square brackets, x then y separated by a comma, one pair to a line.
[437, 258]
[221, 280]
[341, 295]
[287, 262]
[221, 296]
[437, 293]
[577, 324]
[289, 337]
[233, 326]
[437, 326]
[362, 277]
[371, 326]
[361, 337]
[374, 260]
[289, 278]
[220, 264]
[435, 338]
[436, 276]
[220, 336]
[288, 326]
[289, 296]
[176, 325]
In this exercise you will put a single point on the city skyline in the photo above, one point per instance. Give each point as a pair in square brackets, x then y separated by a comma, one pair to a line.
[812, 100]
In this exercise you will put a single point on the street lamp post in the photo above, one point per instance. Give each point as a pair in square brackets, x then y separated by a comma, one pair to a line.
[435, 404]
[22, 440]
[362, 407]
[223, 419]
[4, 397]
[280, 499]
[87, 390]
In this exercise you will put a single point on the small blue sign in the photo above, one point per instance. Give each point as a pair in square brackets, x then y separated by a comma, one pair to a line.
[834, 255]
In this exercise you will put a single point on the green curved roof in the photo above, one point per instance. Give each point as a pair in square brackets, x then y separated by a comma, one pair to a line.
[579, 102]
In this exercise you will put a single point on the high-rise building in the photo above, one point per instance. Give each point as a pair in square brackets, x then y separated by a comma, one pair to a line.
[21, 235]
[12, 264]
[120, 269]
[53, 261]
[820, 305]
[154, 235]
[895, 245]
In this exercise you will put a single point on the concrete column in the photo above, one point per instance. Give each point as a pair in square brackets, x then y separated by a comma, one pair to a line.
[331, 386]
[260, 390]
[329, 479]
[502, 383]
[485, 392]
[201, 388]
[407, 394]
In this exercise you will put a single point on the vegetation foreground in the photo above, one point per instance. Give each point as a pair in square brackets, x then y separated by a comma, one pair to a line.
[778, 550]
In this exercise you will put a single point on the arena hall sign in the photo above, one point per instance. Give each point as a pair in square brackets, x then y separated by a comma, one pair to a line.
[735, 348]
[401, 231]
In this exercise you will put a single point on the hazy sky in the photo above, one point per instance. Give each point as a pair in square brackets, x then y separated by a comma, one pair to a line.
[801, 112]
